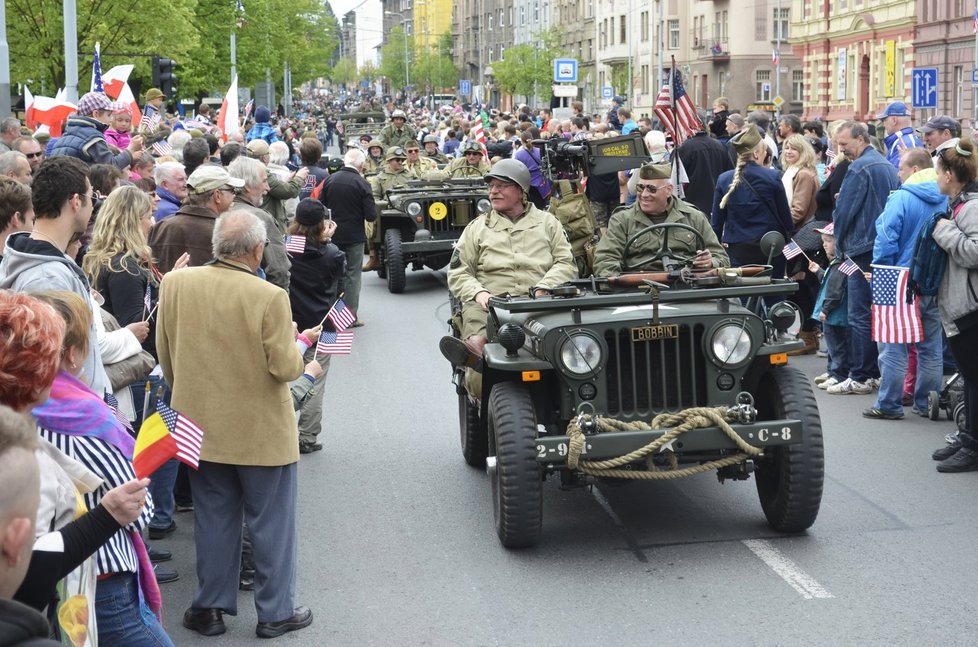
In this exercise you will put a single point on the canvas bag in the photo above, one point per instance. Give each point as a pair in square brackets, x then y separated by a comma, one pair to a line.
[573, 210]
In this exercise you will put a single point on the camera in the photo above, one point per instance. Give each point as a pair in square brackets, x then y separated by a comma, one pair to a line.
[562, 159]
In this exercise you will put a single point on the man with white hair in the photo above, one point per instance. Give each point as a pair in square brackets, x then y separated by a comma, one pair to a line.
[15, 165]
[275, 259]
[280, 191]
[349, 198]
[899, 134]
[171, 187]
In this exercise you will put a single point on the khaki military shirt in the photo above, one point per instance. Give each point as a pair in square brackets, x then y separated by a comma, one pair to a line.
[391, 136]
[372, 166]
[624, 224]
[500, 256]
[421, 166]
[461, 168]
[387, 180]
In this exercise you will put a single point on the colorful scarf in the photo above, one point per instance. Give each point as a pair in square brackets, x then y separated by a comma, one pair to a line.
[75, 410]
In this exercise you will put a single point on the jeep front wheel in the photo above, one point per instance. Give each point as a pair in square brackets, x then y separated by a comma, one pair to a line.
[517, 490]
[394, 258]
[475, 441]
[790, 477]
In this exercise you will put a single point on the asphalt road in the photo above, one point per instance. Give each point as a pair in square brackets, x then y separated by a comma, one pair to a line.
[397, 547]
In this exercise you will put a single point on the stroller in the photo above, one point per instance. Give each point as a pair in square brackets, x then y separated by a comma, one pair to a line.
[950, 399]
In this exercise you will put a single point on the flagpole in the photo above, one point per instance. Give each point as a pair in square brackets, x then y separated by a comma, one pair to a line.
[70, 11]
[5, 66]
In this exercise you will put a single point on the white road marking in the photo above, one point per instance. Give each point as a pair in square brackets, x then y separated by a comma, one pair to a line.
[790, 572]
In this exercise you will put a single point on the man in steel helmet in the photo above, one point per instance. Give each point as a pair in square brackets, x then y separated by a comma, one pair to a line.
[375, 158]
[431, 150]
[471, 161]
[398, 132]
[514, 248]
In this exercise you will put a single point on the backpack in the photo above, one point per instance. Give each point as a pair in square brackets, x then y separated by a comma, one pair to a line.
[928, 262]
[573, 210]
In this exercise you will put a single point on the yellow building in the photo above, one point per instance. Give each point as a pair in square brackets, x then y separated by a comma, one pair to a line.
[432, 18]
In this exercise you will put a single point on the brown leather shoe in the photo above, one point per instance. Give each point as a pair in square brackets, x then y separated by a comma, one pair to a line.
[811, 343]
[372, 263]
[463, 354]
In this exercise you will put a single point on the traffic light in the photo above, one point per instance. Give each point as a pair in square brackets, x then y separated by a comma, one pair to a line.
[164, 77]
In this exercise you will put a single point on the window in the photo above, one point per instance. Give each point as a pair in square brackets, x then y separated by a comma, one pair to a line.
[958, 90]
[763, 78]
[673, 34]
[696, 31]
[611, 32]
[501, 18]
[723, 26]
[624, 32]
[644, 28]
[522, 15]
[590, 49]
[536, 12]
[798, 85]
[603, 41]
[645, 79]
[781, 24]
[490, 22]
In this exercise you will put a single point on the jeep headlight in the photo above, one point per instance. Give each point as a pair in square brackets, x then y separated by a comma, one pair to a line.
[580, 354]
[731, 344]
[414, 209]
[483, 206]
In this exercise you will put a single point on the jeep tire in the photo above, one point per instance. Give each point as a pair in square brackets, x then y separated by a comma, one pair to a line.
[516, 481]
[475, 441]
[394, 259]
[790, 477]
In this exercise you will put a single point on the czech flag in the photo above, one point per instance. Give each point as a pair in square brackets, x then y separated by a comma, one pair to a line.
[227, 118]
[164, 435]
[115, 79]
[47, 111]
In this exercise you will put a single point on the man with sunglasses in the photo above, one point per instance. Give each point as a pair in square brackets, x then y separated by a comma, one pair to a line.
[84, 134]
[32, 149]
[656, 205]
[471, 161]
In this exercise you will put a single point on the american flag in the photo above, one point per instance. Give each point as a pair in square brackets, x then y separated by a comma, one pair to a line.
[149, 122]
[295, 244]
[341, 316]
[97, 71]
[478, 132]
[791, 250]
[849, 267]
[162, 148]
[335, 343]
[148, 297]
[248, 107]
[114, 405]
[675, 109]
[188, 436]
[894, 320]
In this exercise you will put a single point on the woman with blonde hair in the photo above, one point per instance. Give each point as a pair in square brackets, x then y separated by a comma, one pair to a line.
[800, 178]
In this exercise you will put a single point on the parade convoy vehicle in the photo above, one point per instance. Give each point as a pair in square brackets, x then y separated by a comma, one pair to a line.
[420, 222]
[356, 124]
[648, 375]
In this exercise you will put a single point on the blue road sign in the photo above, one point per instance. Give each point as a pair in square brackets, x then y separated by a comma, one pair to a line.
[924, 92]
[607, 92]
[974, 76]
[465, 87]
[565, 70]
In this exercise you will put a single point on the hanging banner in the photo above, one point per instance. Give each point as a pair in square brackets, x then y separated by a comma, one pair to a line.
[890, 89]
[841, 77]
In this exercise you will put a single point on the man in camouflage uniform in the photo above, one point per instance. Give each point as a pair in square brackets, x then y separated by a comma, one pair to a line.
[393, 174]
[431, 150]
[471, 163]
[398, 132]
[416, 163]
[375, 158]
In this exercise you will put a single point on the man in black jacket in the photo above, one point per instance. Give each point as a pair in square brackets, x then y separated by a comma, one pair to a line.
[349, 198]
[704, 159]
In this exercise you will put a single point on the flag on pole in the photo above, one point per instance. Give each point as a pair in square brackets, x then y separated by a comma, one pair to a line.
[51, 112]
[480, 122]
[849, 268]
[776, 57]
[164, 435]
[149, 122]
[341, 316]
[248, 107]
[162, 148]
[675, 109]
[335, 343]
[295, 244]
[148, 297]
[239, 11]
[791, 250]
[115, 79]
[894, 320]
[227, 118]
[97, 72]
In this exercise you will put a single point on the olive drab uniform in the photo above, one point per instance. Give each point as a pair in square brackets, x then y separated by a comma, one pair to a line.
[461, 168]
[608, 253]
[391, 136]
[380, 184]
[438, 158]
[423, 165]
[373, 166]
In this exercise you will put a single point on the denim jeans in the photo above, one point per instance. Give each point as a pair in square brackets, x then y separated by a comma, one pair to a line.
[837, 343]
[893, 363]
[862, 348]
[162, 480]
[122, 618]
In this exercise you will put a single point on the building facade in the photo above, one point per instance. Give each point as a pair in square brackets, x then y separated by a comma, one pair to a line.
[946, 41]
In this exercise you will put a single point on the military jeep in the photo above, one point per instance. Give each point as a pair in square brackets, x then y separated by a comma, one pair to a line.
[356, 124]
[421, 221]
[644, 376]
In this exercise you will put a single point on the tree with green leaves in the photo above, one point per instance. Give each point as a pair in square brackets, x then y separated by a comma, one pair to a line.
[392, 58]
[344, 72]
[527, 70]
[435, 67]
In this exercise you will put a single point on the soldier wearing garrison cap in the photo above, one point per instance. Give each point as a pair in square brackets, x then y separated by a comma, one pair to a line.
[655, 205]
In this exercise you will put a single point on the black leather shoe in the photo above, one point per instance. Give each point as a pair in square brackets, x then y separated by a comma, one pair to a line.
[160, 533]
[206, 622]
[246, 580]
[165, 576]
[309, 447]
[157, 555]
[963, 460]
[947, 451]
[301, 619]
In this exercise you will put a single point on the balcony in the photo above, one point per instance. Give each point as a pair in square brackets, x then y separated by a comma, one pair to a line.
[697, 39]
[715, 49]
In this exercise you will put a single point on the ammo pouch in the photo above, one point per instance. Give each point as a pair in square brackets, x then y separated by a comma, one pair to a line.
[573, 210]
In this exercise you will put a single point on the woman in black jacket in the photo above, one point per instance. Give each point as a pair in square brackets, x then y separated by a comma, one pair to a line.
[317, 280]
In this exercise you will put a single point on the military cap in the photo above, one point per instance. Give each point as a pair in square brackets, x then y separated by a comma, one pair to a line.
[375, 143]
[396, 153]
[746, 140]
[398, 114]
[470, 145]
[430, 139]
[155, 93]
[655, 171]
[257, 148]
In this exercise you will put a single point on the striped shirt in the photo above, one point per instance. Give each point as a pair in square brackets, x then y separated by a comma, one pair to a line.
[117, 554]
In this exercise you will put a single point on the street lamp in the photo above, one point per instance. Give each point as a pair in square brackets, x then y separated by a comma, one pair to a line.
[407, 75]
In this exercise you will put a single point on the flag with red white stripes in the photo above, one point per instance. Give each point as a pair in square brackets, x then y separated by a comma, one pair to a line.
[894, 320]
[295, 244]
[675, 109]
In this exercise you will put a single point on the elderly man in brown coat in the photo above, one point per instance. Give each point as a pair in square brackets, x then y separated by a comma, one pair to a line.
[226, 346]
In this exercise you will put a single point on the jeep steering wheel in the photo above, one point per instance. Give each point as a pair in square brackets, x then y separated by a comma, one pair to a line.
[664, 249]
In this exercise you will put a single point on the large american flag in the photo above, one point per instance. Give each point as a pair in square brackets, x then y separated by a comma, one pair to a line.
[188, 436]
[675, 109]
[894, 320]
[335, 343]
[97, 85]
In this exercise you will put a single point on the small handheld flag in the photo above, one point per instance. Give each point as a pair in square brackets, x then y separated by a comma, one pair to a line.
[148, 298]
[791, 250]
[335, 343]
[341, 316]
[849, 267]
[164, 435]
[162, 148]
[295, 244]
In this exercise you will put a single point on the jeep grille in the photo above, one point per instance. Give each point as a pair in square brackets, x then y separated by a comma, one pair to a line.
[648, 377]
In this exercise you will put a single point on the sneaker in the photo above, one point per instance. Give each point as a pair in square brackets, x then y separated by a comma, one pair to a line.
[963, 460]
[821, 353]
[875, 414]
[947, 451]
[850, 387]
[827, 383]
[922, 414]
[874, 383]
[822, 378]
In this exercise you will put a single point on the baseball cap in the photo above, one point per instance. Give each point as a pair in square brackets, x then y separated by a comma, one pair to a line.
[618, 100]
[209, 177]
[828, 230]
[91, 102]
[257, 148]
[940, 122]
[895, 109]
[310, 212]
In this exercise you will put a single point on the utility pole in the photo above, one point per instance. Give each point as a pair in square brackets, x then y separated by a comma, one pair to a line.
[660, 47]
[71, 51]
[777, 68]
[4, 64]
[234, 55]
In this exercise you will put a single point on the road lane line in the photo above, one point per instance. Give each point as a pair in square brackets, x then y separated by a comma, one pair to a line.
[790, 572]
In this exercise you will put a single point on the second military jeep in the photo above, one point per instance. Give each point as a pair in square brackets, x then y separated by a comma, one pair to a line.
[421, 221]
[644, 376]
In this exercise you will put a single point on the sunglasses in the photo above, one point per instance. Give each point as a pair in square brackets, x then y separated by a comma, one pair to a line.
[474, 154]
[651, 188]
[33, 155]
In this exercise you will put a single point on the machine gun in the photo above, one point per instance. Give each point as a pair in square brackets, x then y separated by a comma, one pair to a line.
[561, 159]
